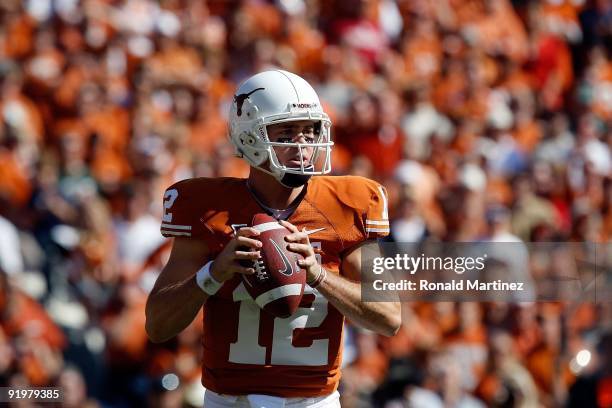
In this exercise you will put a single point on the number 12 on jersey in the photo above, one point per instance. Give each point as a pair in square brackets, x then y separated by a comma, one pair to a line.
[248, 350]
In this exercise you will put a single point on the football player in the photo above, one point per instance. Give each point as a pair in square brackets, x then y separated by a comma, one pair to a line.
[250, 358]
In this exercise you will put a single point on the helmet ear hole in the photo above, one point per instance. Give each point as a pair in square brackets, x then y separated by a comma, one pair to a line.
[248, 139]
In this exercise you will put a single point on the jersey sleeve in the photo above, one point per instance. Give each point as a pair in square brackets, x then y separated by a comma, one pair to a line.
[179, 218]
[376, 215]
[362, 204]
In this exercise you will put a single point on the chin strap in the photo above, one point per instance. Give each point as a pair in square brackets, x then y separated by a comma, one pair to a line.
[294, 180]
[289, 180]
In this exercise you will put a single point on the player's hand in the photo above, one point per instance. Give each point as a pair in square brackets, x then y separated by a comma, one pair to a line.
[241, 247]
[300, 243]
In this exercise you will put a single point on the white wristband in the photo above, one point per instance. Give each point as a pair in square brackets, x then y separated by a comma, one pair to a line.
[205, 280]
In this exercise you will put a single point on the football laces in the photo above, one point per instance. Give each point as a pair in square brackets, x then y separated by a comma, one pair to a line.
[260, 270]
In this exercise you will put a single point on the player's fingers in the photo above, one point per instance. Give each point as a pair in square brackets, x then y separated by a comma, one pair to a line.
[305, 238]
[247, 255]
[304, 249]
[247, 232]
[289, 226]
[243, 270]
[306, 262]
[250, 242]
[297, 237]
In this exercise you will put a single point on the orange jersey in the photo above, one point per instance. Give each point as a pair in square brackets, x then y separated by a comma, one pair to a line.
[247, 351]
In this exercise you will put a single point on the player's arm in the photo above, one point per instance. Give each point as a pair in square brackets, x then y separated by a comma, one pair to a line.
[343, 293]
[176, 297]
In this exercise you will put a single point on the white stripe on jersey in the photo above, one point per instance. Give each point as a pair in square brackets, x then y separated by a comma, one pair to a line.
[166, 232]
[176, 226]
[383, 222]
[377, 230]
[385, 214]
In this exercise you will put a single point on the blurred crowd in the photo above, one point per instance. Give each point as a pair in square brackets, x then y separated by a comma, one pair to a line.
[485, 119]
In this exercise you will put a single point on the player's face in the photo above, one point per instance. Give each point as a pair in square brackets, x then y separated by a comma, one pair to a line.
[304, 132]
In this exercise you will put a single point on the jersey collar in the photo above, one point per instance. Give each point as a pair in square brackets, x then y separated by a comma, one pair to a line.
[279, 214]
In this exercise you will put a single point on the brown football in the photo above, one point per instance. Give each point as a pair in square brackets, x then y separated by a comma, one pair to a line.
[278, 283]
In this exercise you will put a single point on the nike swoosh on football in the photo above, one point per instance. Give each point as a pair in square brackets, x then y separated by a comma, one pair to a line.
[307, 232]
[288, 269]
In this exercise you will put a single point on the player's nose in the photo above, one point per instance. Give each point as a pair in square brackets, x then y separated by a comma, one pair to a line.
[299, 137]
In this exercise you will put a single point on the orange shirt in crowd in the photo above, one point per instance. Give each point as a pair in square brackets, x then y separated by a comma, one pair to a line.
[422, 56]
[14, 181]
[602, 89]
[19, 37]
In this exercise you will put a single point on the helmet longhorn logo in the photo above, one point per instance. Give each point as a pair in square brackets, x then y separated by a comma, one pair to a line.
[239, 99]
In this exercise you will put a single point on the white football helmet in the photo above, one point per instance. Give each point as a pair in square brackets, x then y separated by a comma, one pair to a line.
[273, 97]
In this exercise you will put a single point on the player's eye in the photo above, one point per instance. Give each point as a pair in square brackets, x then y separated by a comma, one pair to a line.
[298, 135]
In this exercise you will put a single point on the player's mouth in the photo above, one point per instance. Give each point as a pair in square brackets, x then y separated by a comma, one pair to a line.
[297, 163]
